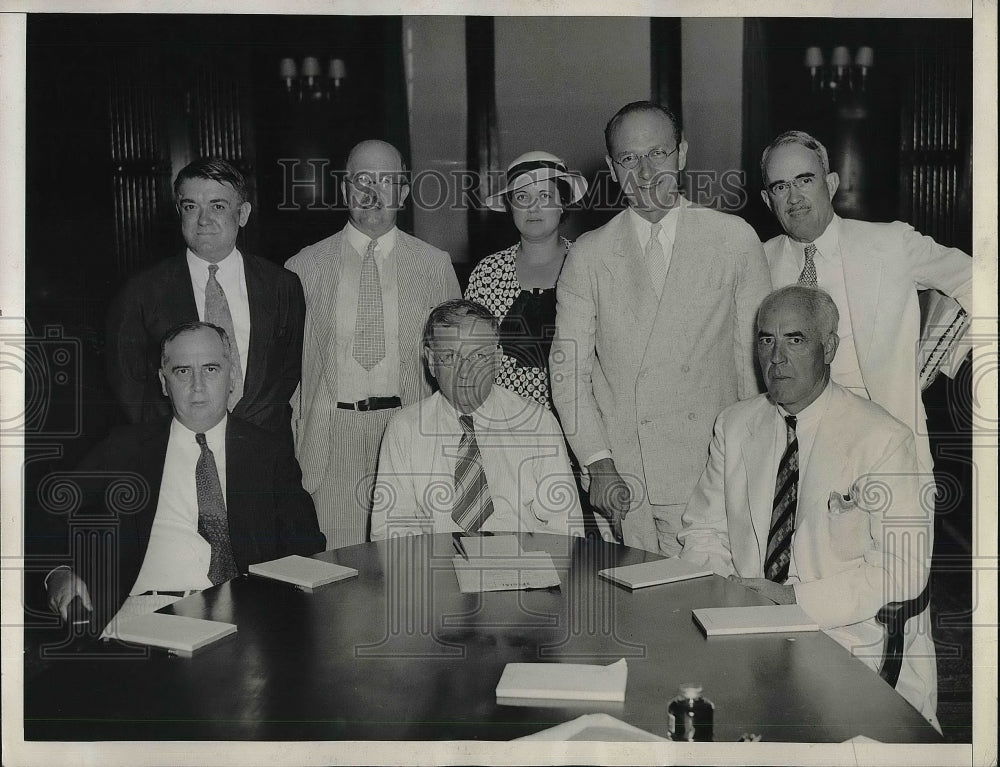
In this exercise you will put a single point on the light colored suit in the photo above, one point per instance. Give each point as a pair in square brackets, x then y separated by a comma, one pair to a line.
[645, 378]
[884, 267]
[850, 562]
[338, 449]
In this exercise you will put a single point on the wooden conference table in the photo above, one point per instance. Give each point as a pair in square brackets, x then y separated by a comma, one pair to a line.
[399, 653]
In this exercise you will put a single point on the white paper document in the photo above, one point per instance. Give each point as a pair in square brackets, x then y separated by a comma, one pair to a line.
[497, 563]
[654, 573]
[177, 633]
[760, 619]
[564, 681]
[595, 727]
[302, 571]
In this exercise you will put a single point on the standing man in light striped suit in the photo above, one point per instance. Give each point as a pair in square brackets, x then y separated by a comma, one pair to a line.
[368, 289]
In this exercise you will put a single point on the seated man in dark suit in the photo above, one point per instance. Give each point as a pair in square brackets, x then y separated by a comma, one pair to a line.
[220, 493]
[258, 304]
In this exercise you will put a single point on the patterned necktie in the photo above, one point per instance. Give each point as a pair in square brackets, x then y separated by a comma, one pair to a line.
[217, 312]
[473, 504]
[213, 524]
[369, 327]
[808, 275]
[656, 262]
[786, 492]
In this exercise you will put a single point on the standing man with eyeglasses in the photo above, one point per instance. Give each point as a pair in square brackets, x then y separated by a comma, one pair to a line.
[473, 456]
[872, 271]
[368, 290]
[655, 324]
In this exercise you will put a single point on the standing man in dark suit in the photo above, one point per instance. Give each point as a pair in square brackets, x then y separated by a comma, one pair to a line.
[259, 304]
[216, 494]
[654, 333]
[369, 289]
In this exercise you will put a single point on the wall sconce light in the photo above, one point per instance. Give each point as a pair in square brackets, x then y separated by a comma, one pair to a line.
[308, 81]
[842, 74]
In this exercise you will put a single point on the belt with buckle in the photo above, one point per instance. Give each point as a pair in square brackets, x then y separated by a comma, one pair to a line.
[371, 403]
[164, 593]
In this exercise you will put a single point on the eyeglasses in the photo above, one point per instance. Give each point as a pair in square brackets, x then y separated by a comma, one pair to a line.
[450, 357]
[365, 180]
[656, 157]
[781, 188]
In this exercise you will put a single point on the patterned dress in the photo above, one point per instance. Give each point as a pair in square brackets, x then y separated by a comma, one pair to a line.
[527, 323]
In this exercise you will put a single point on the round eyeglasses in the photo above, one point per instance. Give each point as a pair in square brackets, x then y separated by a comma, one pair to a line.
[656, 156]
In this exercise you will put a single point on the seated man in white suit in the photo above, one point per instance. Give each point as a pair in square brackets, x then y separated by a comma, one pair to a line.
[811, 495]
[473, 456]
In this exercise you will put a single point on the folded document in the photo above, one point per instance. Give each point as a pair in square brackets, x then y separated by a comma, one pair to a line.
[759, 619]
[654, 573]
[303, 572]
[564, 681]
[177, 633]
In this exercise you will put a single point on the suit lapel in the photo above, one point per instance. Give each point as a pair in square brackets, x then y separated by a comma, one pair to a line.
[863, 273]
[178, 294]
[627, 266]
[262, 319]
[412, 298]
[239, 456]
[827, 460]
[760, 480]
[149, 464]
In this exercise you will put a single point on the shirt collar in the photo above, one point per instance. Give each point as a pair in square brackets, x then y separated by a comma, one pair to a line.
[810, 414]
[668, 223]
[229, 265]
[359, 241]
[827, 244]
[215, 437]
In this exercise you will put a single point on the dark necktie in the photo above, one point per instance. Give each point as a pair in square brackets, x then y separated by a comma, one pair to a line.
[369, 327]
[786, 492]
[473, 504]
[217, 312]
[808, 275]
[213, 524]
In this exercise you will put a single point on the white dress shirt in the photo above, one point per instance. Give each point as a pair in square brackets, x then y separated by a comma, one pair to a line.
[524, 458]
[806, 425]
[353, 381]
[845, 368]
[177, 557]
[232, 278]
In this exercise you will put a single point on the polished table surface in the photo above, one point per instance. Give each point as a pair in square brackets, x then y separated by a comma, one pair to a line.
[399, 653]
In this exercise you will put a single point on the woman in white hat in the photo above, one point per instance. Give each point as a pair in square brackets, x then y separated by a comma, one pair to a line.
[518, 284]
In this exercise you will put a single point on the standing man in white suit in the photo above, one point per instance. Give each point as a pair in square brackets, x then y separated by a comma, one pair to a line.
[654, 333]
[368, 290]
[812, 496]
[872, 271]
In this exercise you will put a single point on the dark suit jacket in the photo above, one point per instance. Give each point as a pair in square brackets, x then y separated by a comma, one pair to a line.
[160, 297]
[270, 515]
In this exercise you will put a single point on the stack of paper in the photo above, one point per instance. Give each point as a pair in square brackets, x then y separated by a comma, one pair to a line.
[176, 633]
[595, 727]
[654, 573]
[303, 572]
[497, 563]
[563, 681]
[762, 619]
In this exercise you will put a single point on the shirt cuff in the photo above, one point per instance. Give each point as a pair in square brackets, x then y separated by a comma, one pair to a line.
[45, 582]
[599, 456]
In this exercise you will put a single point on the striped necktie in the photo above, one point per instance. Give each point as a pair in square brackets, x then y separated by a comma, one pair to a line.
[473, 504]
[656, 262]
[369, 327]
[213, 522]
[217, 312]
[786, 492]
[808, 274]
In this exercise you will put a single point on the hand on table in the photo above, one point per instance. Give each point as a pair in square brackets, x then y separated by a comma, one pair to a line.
[63, 587]
[609, 493]
[778, 593]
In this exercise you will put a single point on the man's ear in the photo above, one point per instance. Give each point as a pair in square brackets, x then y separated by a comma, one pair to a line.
[682, 153]
[163, 382]
[830, 344]
[767, 199]
[832, 182]
[611, 167]
[404, 192]
[245, 209]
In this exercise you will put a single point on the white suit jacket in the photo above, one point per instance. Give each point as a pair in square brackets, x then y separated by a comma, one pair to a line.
[850, 562]
[884, 266]
[425, 277]
[643, 378]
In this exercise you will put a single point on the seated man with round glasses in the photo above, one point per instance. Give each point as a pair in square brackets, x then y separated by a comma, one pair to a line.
[472, 457]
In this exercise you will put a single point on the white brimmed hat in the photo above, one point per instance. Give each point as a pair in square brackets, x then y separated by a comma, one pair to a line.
[537, 166]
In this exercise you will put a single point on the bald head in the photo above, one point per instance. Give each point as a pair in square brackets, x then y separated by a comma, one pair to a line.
[376, 186]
